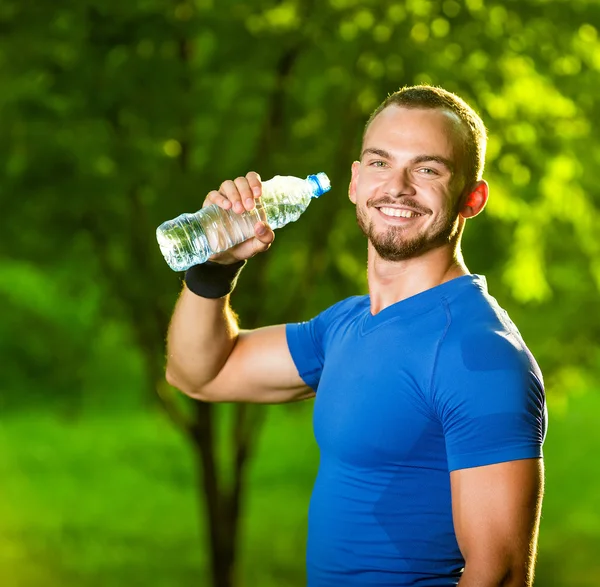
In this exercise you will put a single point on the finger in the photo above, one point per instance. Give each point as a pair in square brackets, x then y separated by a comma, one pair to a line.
[264, 233]
[245, 191]
[215, 197]
[230, 191]
[255, 183]
[259, 246]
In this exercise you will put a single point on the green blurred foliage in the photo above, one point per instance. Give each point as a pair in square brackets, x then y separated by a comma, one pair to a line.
[116, 116]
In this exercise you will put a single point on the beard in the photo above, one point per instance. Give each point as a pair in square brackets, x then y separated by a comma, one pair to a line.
[396, 244]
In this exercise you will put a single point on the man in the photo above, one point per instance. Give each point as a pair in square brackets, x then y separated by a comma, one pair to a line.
[430, 412]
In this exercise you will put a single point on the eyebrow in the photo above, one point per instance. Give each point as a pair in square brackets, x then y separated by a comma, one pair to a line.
[378, 152]
[415, 160]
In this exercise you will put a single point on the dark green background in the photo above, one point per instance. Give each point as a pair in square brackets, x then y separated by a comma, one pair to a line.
[115, 116]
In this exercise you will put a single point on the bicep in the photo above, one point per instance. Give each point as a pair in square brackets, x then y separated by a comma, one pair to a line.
[260, 369]
[496, 511]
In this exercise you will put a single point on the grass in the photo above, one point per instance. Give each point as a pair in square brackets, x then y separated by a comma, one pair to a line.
[110, 500]
[570, 527]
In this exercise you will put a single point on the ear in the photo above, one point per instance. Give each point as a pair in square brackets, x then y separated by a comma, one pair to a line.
[476, 200]
[353, 181]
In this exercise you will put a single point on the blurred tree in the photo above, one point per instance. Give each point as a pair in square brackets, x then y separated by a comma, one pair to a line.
[117, 116]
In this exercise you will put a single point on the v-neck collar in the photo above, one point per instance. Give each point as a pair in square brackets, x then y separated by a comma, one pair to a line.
[419, 303]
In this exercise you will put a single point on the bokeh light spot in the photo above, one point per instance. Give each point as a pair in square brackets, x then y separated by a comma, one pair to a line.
[172, 148]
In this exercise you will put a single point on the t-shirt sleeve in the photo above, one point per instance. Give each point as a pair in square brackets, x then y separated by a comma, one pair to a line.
[307, 342]
[489, 396]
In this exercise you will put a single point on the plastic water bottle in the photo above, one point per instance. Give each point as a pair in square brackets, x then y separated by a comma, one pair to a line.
[190, 239]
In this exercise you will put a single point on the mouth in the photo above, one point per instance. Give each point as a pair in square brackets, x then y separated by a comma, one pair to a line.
[398, 213]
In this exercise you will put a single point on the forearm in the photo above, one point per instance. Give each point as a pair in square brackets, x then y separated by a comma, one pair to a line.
[201, 337]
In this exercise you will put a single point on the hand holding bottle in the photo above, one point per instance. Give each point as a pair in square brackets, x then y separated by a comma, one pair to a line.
[239, 195]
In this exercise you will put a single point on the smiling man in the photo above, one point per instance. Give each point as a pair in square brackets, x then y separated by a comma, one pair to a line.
[429, 409]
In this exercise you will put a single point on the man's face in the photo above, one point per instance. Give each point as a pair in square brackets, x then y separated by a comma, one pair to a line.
[408, 183]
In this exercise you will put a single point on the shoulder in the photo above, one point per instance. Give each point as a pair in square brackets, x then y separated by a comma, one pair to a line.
[486, 389]
[337, 316]
[345, 308]
[319, 327]
[308, 341]
[483, 363]
[482, 337]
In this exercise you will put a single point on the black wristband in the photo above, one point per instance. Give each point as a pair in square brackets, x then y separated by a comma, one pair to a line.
[213, 280]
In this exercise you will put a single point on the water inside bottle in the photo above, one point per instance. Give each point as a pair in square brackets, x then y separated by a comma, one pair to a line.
[182, 242]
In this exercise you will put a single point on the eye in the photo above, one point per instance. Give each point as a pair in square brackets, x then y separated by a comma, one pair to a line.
[427, 171]
[378, 163]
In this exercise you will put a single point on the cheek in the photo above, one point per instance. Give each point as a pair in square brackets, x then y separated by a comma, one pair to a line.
[438, 200]
[370, 180]
[437, 191]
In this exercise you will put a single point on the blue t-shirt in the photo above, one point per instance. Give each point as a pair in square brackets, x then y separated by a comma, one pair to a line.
[437, 382]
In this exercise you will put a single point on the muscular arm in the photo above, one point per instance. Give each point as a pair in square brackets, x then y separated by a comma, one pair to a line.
[208, 358]
[496, 510]
[201, 336]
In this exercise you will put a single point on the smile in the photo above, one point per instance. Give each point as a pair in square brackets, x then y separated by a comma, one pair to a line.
[398, 213]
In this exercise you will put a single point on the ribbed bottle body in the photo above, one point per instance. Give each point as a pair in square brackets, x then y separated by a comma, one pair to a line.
[190, 239]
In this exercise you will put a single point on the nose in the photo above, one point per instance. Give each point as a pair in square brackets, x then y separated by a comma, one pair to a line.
[400, 184]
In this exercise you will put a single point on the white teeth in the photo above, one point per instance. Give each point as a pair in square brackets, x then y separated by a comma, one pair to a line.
[398, 213]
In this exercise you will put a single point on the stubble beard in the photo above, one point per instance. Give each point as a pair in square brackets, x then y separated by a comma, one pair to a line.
[395, 245]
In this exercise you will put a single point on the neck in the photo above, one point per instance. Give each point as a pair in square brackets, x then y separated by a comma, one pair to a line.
[391, 282]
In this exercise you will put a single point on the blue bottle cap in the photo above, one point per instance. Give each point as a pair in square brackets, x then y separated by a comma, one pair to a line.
[321, 184]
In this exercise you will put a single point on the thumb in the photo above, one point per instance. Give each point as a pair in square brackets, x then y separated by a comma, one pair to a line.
[264, 236]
